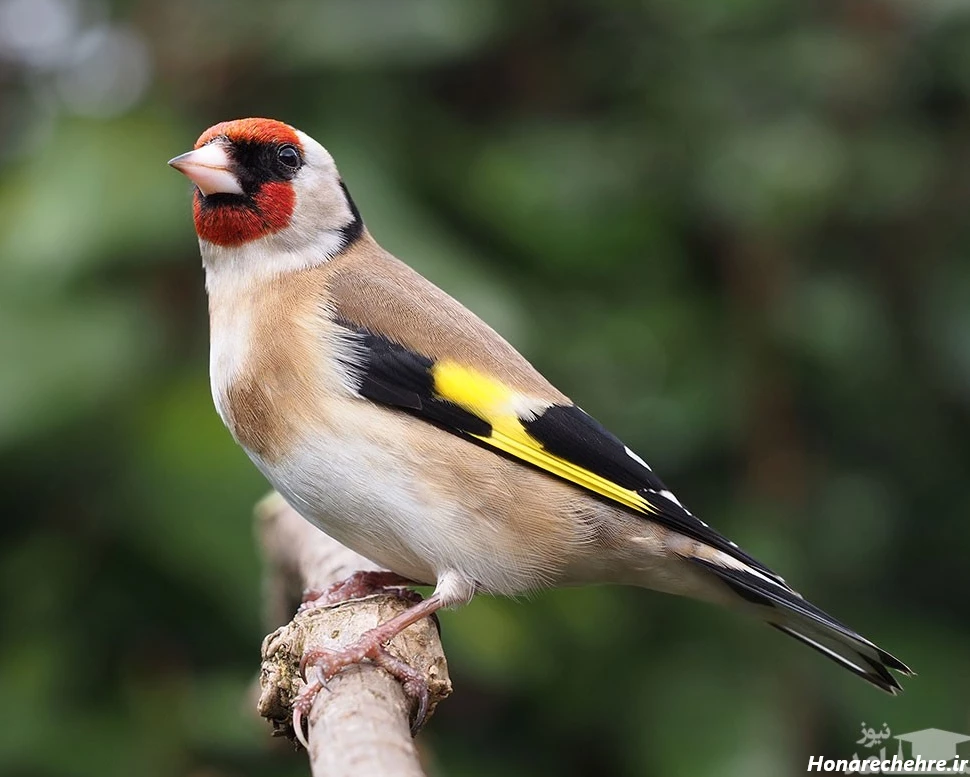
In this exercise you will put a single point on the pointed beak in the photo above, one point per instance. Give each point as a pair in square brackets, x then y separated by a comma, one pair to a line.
[209, 168]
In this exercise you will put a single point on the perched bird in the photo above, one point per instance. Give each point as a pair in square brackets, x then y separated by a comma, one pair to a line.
[402, 425]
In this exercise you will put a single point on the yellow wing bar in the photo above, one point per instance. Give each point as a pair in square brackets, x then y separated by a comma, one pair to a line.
[494, 402]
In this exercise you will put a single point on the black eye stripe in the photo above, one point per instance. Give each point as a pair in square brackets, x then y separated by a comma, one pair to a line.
[259, 163]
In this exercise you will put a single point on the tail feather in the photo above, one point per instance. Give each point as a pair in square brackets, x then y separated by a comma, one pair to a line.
[859, 664]
[785, 609]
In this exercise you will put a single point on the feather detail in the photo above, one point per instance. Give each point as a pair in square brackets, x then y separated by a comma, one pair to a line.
[785, 609]
[507, 412]
[561, 440]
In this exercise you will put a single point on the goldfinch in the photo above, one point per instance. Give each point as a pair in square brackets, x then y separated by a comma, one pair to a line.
[403, 426]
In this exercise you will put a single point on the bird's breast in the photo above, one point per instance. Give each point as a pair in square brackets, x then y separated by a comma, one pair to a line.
[273, 366]
[406, 494]
[419, 501]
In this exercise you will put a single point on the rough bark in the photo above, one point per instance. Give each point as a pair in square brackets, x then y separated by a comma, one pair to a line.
[359, 724]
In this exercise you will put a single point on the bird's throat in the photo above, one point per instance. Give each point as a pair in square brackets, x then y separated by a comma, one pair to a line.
[231, 220]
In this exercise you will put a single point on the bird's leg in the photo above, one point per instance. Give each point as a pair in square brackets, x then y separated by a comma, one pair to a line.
[358, 586]
[328, 663]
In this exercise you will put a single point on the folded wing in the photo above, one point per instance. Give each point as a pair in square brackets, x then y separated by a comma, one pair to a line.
[560, 439]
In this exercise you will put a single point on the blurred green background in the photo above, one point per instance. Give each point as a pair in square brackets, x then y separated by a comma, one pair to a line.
[734, 230]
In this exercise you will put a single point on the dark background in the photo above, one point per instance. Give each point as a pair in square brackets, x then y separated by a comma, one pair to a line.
[734, 230]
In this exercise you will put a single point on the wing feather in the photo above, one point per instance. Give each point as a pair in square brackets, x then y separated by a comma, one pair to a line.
[560, 439]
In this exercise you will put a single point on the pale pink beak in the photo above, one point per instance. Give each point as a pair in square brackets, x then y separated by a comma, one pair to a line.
[209, 168]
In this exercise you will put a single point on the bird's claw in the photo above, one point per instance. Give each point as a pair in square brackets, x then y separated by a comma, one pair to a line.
[329, 663]
[312, 656]
[414, 683]
[301, 708]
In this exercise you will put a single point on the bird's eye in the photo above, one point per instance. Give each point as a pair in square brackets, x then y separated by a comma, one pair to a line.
[289, 156]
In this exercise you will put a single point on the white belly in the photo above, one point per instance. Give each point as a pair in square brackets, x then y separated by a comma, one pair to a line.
[411, 510]
[358, 494]
[363, 484]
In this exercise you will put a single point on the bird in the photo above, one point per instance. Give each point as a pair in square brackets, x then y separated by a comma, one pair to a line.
[402, 425]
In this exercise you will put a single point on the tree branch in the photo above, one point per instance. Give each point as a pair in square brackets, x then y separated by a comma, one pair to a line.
[360, 723]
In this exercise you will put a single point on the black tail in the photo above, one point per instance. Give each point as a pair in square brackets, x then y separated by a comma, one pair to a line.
[787, 611]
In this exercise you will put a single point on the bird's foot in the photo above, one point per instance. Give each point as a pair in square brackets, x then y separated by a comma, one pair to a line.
[358, 586]
[326, 664]
[371, 646]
